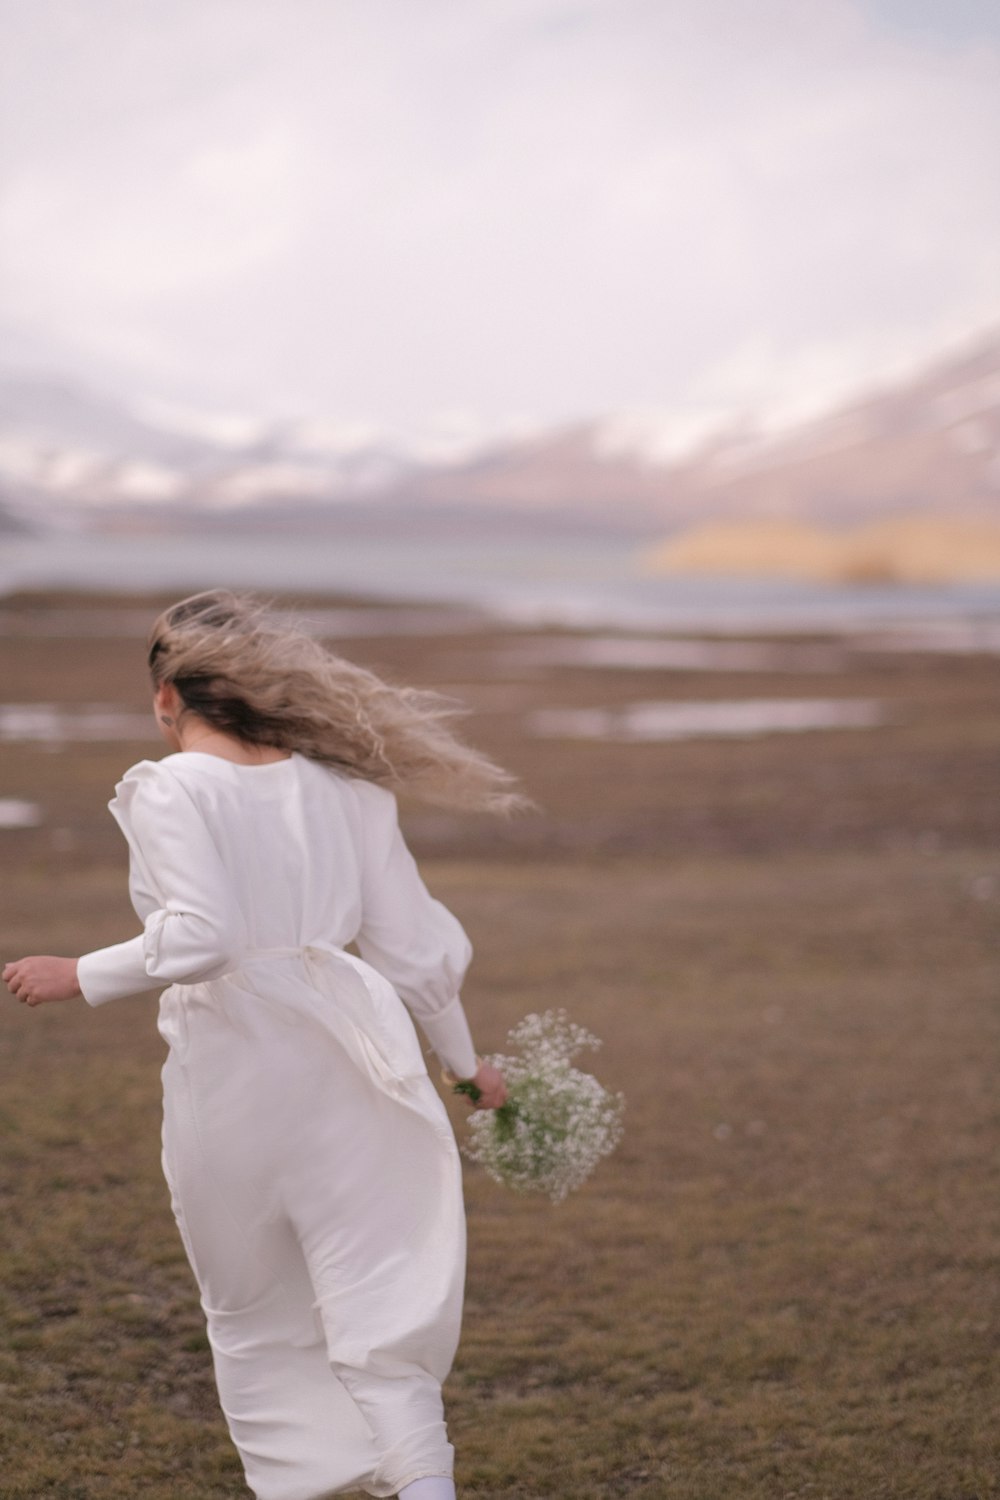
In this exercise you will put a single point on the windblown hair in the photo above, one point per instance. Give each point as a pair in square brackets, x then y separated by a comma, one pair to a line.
[252, 672]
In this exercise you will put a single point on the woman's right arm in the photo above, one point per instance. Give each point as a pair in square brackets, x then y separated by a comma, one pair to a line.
[415, 942]
[41, 978]
[193, 930]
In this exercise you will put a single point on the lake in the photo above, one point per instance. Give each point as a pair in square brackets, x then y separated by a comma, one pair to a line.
[580, 585]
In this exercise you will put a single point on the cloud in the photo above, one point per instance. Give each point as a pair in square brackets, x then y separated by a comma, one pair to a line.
[382, 209]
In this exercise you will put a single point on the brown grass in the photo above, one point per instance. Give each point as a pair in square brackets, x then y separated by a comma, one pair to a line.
[785, 1282]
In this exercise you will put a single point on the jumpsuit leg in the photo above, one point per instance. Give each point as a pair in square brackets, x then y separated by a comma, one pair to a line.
[328, 1274]
[388, 1270]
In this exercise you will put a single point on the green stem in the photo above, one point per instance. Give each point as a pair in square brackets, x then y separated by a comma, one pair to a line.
[505, 1115]
[470, 1089]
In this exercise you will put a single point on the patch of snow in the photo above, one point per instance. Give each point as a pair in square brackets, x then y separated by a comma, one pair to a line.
[968, 400]
[141, 480]
[260, 481]
[225, 429]
[655, 436]
[55, 724]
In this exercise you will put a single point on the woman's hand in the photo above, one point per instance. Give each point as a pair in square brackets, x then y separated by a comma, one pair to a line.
[492, 1086]
[39, 979]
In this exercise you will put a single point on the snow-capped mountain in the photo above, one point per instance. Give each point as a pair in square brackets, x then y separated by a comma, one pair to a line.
[930, 444]
[64, 446]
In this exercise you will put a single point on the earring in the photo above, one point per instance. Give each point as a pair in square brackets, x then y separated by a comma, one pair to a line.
[166, 719]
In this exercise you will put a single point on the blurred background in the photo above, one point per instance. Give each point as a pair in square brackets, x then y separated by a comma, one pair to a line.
[628, 371]
[671, 314]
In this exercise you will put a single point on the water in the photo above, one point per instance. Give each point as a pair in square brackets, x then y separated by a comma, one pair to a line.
[658, 653]
[57, 724]
[16, 813]
[742, 718]
[585, 585]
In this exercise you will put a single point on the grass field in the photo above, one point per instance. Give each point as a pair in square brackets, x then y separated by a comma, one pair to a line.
[785, 1282]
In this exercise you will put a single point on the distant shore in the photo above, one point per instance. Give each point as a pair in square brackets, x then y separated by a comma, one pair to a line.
[926, 549]
[541, 583]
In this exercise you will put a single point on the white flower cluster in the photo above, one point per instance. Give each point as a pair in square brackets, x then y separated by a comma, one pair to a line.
[557, 1123]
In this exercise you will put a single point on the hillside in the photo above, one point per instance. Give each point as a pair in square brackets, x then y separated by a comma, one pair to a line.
[920, 457]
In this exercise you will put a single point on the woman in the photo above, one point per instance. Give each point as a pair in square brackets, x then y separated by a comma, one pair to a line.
[312, 1168]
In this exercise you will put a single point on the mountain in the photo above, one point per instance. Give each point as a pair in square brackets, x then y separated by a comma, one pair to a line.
[65, 446]
[929, 444]
[61, 415]
[12, 524]
[901, 487]
[566, 471]
[926, 446]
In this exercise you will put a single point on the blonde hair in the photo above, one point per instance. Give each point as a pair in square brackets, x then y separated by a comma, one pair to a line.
[260, 676]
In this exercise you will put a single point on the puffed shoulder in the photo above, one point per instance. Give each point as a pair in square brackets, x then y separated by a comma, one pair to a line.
[179, 763]
[142, 771]
[149, 771]
[155, 784]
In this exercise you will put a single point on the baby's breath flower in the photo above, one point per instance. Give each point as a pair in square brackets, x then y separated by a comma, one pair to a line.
[557, 1123]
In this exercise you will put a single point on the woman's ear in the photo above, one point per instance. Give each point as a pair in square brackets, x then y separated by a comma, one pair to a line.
[167, 706]
[167, 703]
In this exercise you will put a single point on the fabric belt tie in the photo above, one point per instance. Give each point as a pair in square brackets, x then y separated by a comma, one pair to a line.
[361, 1009]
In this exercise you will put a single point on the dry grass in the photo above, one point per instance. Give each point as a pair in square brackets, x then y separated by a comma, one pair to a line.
[785, 1282]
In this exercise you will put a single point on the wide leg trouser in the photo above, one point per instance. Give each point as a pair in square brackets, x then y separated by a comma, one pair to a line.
[323, 1223]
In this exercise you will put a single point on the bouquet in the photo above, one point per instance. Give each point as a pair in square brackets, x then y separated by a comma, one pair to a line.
[557, 1122]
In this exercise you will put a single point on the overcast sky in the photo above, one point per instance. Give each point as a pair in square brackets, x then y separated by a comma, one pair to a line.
[465, 215]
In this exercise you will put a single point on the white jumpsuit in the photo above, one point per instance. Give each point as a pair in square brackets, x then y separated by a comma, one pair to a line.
[312, 1168]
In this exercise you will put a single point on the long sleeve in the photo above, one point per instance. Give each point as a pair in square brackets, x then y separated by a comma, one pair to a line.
[193, 928]
[410, 937]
